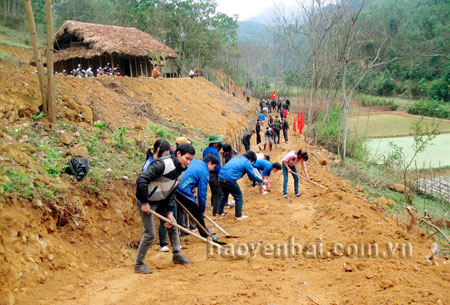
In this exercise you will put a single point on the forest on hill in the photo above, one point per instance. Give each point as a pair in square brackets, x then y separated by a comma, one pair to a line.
[329, 51]
[411, 36]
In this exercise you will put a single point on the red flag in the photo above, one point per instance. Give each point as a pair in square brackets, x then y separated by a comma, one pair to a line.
[274, 95]
[301, 123]
[295, 126]
[298, 123]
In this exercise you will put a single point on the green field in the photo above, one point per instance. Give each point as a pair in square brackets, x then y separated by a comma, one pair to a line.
[388, 125]
[435, 155]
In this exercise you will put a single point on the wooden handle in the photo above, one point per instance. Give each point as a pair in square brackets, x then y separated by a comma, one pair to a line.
[185, 230]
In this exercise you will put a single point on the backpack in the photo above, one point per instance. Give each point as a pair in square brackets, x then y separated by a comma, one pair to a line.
[78, 167]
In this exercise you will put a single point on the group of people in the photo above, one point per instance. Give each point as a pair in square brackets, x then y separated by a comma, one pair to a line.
[89, 72]
[172, 181]
[269, 127]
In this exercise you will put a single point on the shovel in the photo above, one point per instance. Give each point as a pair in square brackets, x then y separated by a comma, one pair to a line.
[199, 225]
[185, 230]
[315, 183]
[220, 228]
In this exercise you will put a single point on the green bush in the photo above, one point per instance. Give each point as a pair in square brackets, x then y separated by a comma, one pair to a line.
[430, 108]
[439, 89]
[328, 135]
[18, 183]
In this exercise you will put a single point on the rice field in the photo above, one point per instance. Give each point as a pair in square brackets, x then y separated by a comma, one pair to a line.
[389, 124]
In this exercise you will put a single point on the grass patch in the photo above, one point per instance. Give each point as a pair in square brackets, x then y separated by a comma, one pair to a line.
[19, 38]
[385, 125]
[11, 59]
[16, 44]
[375, 179]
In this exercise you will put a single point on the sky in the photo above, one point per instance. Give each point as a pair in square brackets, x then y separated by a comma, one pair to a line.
[245, 8]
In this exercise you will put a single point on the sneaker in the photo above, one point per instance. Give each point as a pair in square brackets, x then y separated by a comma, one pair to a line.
[229, 204]
[298, 195]
[225, 213]
[241, 218]
[142, 269]
[286, 196]
[181, 260]
[164, 249]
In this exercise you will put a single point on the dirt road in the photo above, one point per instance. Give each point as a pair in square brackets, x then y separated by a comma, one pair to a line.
[334, 215]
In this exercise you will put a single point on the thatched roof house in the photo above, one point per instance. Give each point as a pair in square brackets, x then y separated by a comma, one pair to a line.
[96, 45]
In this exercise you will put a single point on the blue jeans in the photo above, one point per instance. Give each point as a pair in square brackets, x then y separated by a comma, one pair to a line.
[286, 176]
[233, 189]
[247, 146]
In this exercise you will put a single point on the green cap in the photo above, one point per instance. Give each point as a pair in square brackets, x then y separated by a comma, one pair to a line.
[213, 139]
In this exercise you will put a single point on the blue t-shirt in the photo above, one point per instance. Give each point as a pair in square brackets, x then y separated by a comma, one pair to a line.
[236, 168]
[195, 176]
[264, 166]
[213, 151]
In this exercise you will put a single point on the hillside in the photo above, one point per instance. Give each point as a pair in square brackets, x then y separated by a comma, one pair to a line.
[253, 33]
[72, 242]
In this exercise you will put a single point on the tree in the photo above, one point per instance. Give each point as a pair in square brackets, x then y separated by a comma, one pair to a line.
[51, 105]
[37, 54]
[422, 138]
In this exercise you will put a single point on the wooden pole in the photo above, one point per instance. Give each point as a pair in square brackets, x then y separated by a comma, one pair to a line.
[185, 230]
[50, 69]
[131, 67]
[136, 66]
[37, 54]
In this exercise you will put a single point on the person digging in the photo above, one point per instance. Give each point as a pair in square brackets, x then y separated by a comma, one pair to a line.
[234, 170]
[197, 177]
[155, 190]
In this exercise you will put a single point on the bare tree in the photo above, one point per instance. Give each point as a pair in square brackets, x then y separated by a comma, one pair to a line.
[50, 69]
[37, 54]
[353, 38]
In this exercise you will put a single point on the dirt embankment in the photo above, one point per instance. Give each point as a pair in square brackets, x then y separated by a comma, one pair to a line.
[89, 260]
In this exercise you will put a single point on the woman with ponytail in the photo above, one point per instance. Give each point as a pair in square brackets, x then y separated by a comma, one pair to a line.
[289, 167]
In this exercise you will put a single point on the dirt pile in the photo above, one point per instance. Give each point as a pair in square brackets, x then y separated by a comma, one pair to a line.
[80, 248]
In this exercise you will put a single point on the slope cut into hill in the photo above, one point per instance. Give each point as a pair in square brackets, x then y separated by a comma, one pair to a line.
[78, 245]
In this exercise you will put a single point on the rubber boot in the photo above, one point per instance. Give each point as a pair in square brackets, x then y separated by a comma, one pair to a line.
[270, 146]
[265, 146]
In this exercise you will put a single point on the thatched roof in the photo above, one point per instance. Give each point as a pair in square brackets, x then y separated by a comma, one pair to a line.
[99, 39]
[80, 51]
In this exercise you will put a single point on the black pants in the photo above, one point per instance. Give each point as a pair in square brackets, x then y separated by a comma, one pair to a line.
[285, 134]
[182, 219]
[216, 190]
[195, 211]
[258, 138]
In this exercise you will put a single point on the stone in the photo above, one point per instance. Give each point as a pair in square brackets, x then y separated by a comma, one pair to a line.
[382, 201]
[386, 284]
[86, 113]
[390, 202]
[323, 162]
[37, 203]
[80, 151]
[398, 187]
[66, 138]
[359, 188]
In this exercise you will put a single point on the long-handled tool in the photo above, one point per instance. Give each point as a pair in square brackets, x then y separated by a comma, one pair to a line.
[220, 228]
[186, 230]
[315, 183]
[199, 225]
